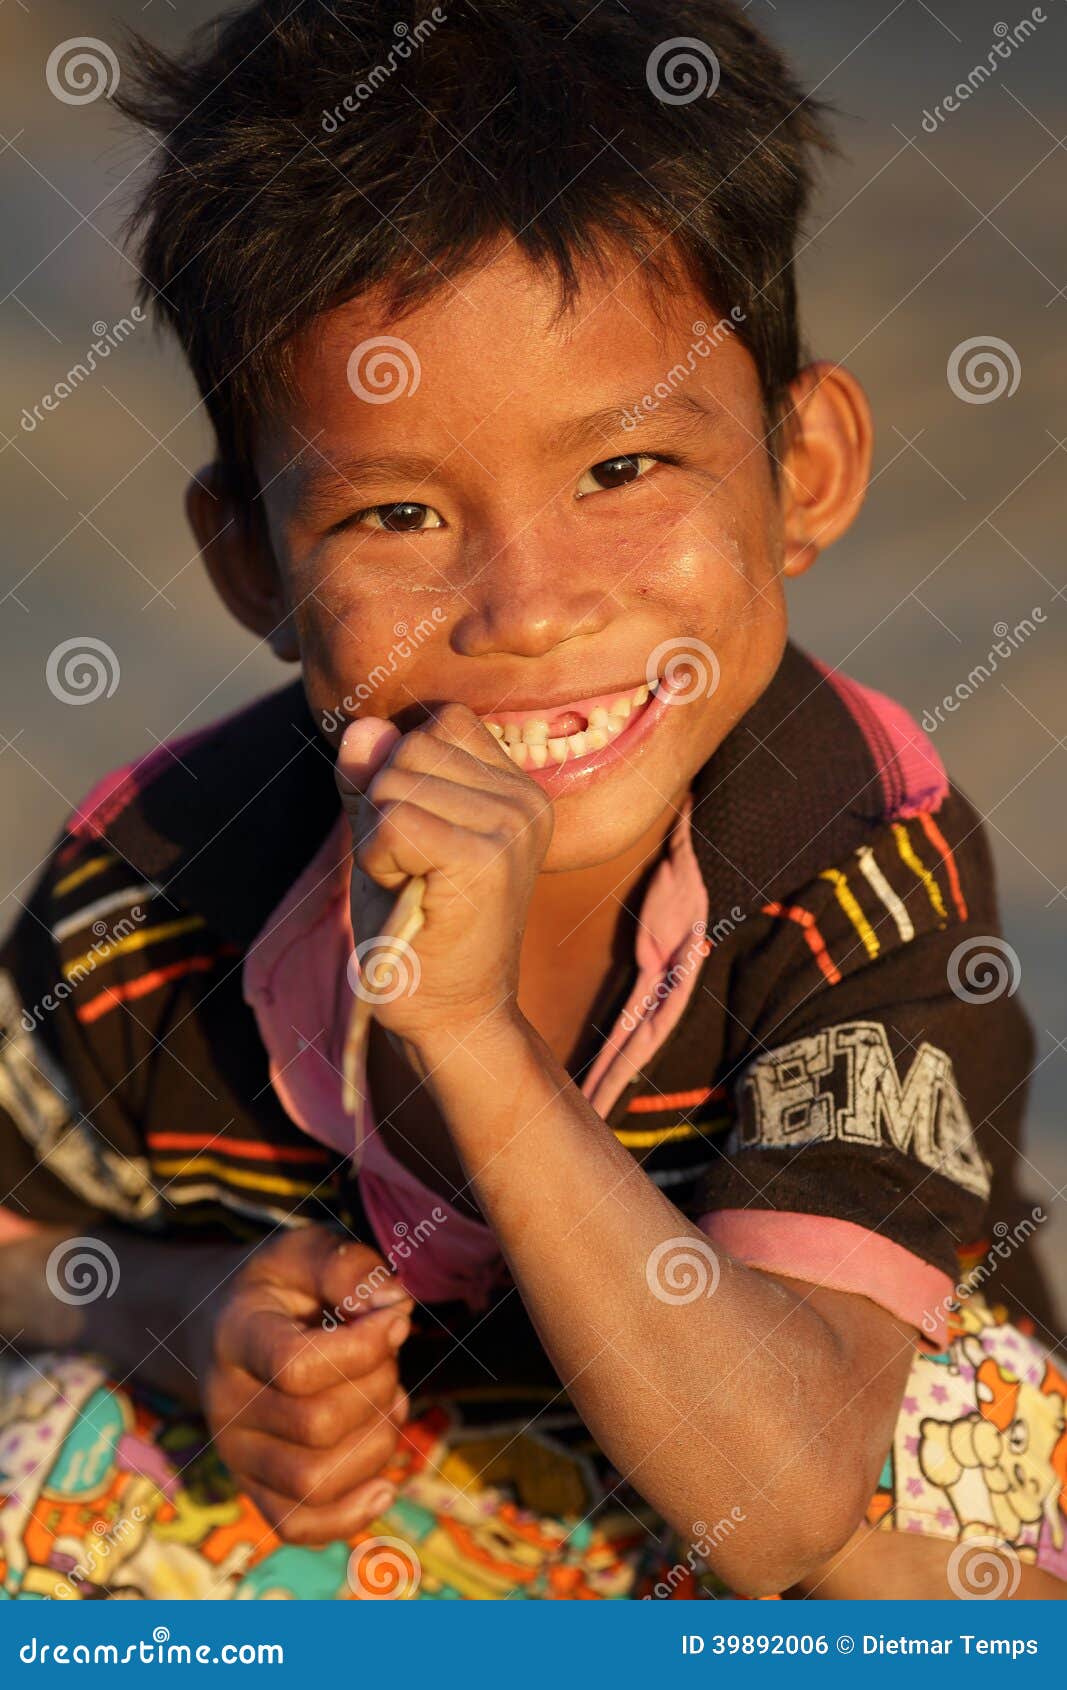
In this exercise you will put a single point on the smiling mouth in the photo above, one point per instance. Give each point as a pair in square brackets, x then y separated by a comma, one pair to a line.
[542, 739]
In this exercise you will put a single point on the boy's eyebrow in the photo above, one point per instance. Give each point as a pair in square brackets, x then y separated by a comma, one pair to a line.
[322, 482]
[685, 413]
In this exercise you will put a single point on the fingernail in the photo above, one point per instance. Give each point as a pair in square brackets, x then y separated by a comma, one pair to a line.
[380, 1498]
[398, 1331]
[387, 1296]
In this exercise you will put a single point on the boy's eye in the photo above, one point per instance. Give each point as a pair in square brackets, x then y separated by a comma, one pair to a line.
[614, 472]
[399, 519]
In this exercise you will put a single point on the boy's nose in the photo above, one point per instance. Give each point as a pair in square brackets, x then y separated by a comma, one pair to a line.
[524, 604]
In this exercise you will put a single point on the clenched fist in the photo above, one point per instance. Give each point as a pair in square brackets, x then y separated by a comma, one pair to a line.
[304, 1417]
[444, 802]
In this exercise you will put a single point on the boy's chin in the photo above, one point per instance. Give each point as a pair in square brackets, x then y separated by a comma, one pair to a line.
[584, 839]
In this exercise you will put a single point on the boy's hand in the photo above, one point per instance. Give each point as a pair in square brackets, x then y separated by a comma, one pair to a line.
[304, 1417]
[444, 802]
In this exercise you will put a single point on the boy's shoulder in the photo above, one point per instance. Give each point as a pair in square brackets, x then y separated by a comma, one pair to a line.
[221, 820]
[821, 769]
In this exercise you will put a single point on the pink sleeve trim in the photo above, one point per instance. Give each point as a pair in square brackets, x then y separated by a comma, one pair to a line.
[841, 1256]
[14, 1226]
[911, 773]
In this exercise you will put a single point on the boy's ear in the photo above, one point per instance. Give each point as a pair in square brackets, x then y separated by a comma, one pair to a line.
[826, 463]
[238, 556]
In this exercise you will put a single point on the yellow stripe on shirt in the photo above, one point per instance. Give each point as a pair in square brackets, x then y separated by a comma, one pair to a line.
[847, 899]
[207, 1165]
[910, 860]
[103, 952]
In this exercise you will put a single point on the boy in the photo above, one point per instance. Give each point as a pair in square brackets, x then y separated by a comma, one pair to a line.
[678, 1110]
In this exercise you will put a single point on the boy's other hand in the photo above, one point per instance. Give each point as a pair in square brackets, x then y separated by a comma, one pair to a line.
[305, 1413]
[447, 803]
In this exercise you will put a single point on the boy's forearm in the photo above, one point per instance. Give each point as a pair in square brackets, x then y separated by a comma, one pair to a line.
[723, 1402]
[150, 1324]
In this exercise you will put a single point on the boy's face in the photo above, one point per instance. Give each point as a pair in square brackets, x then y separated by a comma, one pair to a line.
[498, 531]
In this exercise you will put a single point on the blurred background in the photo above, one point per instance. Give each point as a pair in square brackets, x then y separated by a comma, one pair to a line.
[938, 228]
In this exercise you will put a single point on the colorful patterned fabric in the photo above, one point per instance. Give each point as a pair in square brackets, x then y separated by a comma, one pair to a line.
[105, 1493]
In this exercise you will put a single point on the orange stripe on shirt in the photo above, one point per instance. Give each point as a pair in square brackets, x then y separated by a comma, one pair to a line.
[816, 942]
[112, 996]
[237, 1147]
[672, 1100]
[937, 839]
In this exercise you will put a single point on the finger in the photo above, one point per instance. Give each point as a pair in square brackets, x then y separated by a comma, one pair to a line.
[302, 1523]
[317, 1476]
[353, 1279]
[481, 764]
[407, 840]
[299, 1361]
[364, 747]
[324, 1420]
[467, 806]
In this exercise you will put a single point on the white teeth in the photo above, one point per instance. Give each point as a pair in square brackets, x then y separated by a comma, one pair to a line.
[596, 738]
[598, 717]
[640, 696]
[536, 733]
[512, 733]
[518, 754]
[495, 729]
[557, 750]
[576, 744]
[538, 756]
[615, 726]
[605, 721]
[622, 707]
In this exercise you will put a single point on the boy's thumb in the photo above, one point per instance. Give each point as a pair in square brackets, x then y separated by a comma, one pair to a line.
[364, 747]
